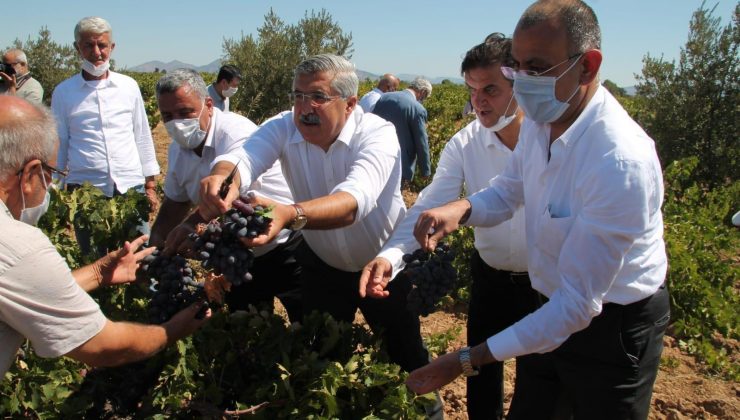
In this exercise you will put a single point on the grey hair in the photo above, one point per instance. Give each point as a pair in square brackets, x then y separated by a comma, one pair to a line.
[19, 54]
[580, 22]
[92, 25]
[32, 137]
[345, 79]
[422, 86]
[178, 78]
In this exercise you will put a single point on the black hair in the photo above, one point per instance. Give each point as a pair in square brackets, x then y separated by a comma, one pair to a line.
[228, 72]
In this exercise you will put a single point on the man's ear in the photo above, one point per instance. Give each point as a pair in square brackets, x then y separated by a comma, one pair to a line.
[591, 65]
[112, 47]
[209, 105]
[351, 103]
[30, 169]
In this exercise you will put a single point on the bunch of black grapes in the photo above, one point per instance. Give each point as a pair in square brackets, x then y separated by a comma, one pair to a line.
[172, 281]
[432, 276]
[219, 247]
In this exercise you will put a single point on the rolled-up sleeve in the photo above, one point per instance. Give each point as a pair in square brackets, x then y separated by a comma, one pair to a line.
[143, 138]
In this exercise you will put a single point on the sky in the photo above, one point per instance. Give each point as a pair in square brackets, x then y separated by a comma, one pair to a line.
[427, 38]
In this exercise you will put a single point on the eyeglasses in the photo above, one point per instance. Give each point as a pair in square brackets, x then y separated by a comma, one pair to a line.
[510, 72]
[52, 170]
[316, 98]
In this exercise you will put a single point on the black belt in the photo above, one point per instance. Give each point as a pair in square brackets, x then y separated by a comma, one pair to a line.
[519, 278]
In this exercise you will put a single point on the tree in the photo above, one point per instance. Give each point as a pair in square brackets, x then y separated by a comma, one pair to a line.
[691, 108]
[614, 89]
[49, 62]
[267, 61]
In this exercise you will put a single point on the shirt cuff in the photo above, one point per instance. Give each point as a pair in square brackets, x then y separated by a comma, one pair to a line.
[362, 209]
[505, 345]
[151, 169]
[477, 211]
[395, 256]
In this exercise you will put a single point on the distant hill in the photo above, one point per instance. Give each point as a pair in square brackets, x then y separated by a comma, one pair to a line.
[151, 66]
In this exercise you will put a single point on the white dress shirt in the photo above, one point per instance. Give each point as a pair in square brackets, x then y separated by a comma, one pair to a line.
[227, 132]
[594, 225]
[364, 161]
[104, 135]
[471, 159]
[368, 100]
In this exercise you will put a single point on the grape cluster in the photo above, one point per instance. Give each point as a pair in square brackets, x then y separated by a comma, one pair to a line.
[172, 281]
[432, 276]
[219, 248]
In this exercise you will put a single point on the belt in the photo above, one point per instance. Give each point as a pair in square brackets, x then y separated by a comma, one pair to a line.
[519, 278]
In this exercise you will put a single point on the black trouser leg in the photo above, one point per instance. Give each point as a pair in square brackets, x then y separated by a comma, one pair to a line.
[497, 300]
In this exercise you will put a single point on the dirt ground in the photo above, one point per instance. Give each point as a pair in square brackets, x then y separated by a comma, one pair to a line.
[681, 391]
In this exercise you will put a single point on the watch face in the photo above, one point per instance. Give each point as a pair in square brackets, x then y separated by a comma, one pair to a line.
[298, 223]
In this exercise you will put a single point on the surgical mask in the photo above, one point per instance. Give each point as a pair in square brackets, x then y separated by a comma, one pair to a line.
[32, 215]
[95, 71]
[536, 96]
[186, 132]
[228, 93]
[503, 120]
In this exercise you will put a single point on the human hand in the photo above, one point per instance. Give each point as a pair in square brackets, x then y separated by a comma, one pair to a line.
[375, 278]
[438, 373]
[153, 198]
[9, 80]
[186, 322]
[282, 215]
[434, 224]
[120, 266]
[178, 240]
[211, 204]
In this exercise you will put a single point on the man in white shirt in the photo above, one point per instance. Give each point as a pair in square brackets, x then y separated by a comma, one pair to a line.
[103, 129]
[40, 298]
[344, 169]
[225, 86]
[593, 188]
[500, 293]
[387, 83]
[200, 132]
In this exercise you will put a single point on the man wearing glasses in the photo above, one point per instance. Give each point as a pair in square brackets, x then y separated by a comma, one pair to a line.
[18, 81]
[593, 188]
[41, 299]
[343, 167]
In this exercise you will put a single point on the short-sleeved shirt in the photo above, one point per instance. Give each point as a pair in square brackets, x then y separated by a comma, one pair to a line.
[39, 298]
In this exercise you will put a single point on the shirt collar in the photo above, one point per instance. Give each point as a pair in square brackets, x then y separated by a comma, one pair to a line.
[579, 126]
[212, 129]
[109, 81]
[4, 209]
[490, 139]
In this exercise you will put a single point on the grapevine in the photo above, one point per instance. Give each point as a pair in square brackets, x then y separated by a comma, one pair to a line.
[432, 276]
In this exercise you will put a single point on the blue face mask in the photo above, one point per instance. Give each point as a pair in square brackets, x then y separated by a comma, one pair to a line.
[536, 96]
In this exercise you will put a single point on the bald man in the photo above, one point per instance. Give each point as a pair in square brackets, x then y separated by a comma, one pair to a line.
[20, 83]
[42, 300]
[387, 83]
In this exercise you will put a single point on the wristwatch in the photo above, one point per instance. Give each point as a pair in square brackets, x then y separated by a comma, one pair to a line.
[468, 369]
[300, 219]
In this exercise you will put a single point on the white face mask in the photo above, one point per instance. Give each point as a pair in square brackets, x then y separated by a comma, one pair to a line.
[228, 93]
[503, 120]
[536, 96]
[32, 215]
[186, 132]
[95, 71]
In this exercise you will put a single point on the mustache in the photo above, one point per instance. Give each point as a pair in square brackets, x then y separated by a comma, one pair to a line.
[309, 119]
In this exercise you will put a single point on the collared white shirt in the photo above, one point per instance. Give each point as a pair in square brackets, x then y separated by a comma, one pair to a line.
[594, 224]
[39, 298]
[226, 133]
[104, 135]
[368, 100]
[218, 101]
[470, 160]
[364, 161]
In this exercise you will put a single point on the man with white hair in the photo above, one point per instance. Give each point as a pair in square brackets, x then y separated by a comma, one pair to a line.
[103, 128]
[408, 115]
[20, 83]
[40, 298]
[201, 132]
[343, 168]
[387, 83]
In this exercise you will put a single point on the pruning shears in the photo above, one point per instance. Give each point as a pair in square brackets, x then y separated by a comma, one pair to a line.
[224, 190]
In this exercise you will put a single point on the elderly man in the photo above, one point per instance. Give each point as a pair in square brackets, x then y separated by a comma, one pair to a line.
[387, 83]
[343, 169]
[103, 129]
[405, 111]
[40, 298]
[500, 293]
[20, 83]
[200, 132]
[593, 189]
[225, 86]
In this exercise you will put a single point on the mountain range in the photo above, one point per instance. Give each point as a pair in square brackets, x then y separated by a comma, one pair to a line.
[213, 67]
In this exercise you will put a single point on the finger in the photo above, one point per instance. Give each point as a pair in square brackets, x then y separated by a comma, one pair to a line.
[144, 253]
[364, 278]
[138, 242]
